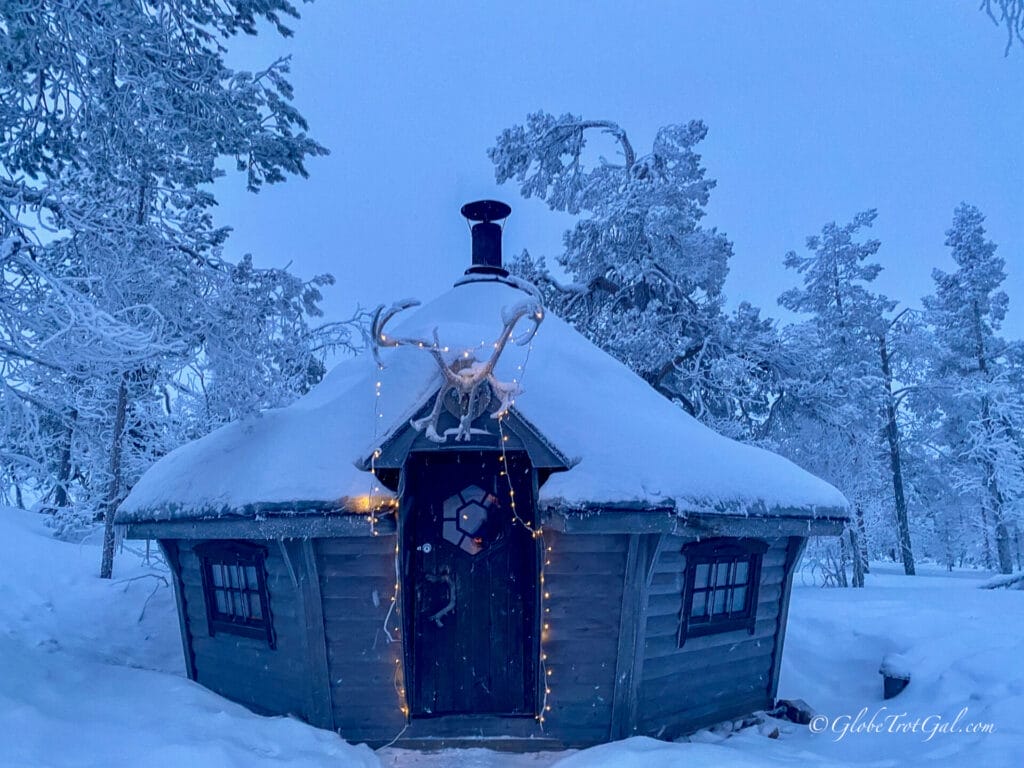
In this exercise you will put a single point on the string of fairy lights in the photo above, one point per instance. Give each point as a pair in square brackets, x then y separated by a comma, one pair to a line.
[537, 532]
[375, 504]
[377, 417]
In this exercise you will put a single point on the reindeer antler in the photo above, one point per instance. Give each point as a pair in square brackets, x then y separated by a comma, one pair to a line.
[465, 378]
[381, 317]
[510, 317]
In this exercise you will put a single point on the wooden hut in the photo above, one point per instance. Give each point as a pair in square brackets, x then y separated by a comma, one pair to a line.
[487, 529]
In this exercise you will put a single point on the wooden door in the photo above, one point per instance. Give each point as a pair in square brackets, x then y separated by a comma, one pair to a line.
[470, 585]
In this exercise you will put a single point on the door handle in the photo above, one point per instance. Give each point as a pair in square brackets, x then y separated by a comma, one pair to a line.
[425, 548]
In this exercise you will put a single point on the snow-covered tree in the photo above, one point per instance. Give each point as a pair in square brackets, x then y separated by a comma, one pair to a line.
[113, 117]
[845, 397]
[975, 391]
[645, 275]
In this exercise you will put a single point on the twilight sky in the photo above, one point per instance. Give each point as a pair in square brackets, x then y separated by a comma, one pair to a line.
[816, 110]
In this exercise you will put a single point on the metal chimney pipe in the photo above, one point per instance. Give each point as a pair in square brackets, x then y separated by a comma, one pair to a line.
[486, 235]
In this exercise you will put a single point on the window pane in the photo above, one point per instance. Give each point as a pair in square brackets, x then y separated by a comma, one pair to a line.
[250, 577]
[222, 600]
[700, 604]
[233, 575]
[741, 572]
[217, 575]
[722, 573]
[719, 602]
[473, 518]
[739, 599]
[700, 578]
[473, 493]
[254, 606]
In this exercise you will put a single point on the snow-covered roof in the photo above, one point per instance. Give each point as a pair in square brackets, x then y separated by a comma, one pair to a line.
[632, 447]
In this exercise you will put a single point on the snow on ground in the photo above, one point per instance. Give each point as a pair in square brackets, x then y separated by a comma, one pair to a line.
[85, 682]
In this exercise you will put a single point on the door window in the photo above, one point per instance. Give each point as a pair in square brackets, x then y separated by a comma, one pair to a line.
[468, 519]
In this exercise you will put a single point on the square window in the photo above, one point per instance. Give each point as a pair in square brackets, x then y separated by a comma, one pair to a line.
[720, 586]
[235, 589]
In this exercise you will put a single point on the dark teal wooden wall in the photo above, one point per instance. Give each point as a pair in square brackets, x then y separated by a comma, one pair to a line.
[612, 616]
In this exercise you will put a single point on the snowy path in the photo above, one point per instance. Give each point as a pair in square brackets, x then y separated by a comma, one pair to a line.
[84, 682]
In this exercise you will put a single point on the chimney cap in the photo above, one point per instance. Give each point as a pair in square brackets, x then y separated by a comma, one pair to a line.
[486, 210]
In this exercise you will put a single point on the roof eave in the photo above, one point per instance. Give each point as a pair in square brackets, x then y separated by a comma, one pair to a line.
[664, 517]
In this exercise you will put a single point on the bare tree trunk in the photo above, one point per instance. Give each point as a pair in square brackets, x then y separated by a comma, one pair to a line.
[862, 537]
[986, 549]
[892, 434]
[995, 495]
[60, 496]
[858, 558]
[1005, 559]
[114, 490]
[995, 498]
[841, 567]
[1003, 546]
[947, 543]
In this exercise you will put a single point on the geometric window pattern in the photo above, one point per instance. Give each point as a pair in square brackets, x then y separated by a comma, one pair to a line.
[236, 593]
[721, 586]
[720, 590]
[465, 518]
[235, 589]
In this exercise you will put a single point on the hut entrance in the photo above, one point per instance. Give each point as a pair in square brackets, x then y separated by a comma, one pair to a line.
[470, 585]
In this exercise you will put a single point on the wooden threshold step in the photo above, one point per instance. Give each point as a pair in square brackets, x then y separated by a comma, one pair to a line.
[495, 743]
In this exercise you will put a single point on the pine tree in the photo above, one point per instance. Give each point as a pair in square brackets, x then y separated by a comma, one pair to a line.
[975, 388]
[849, 388]
[646, 275]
